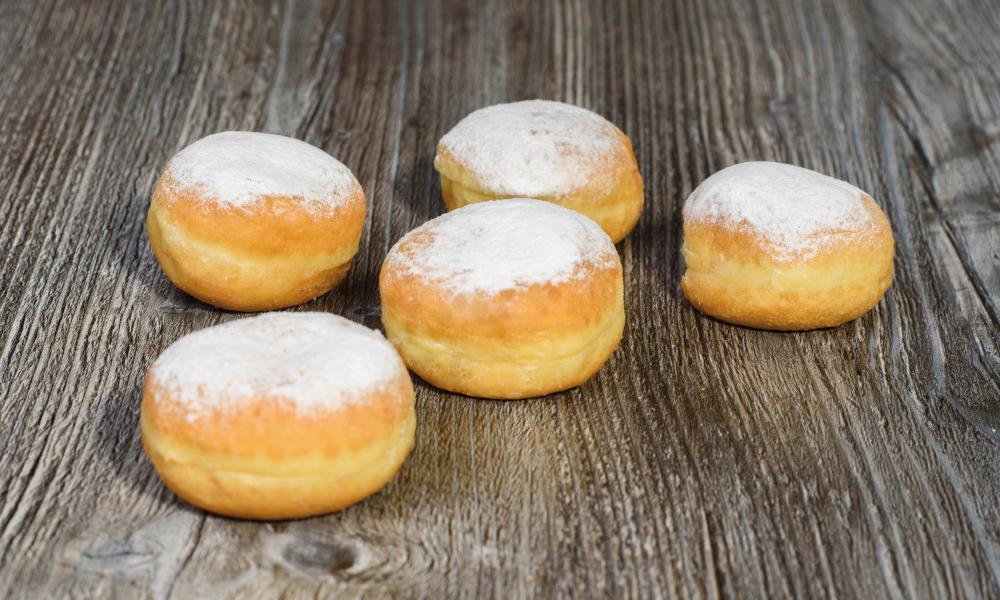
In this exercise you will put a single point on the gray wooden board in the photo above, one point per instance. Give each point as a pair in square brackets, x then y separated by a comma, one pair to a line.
[703, 460]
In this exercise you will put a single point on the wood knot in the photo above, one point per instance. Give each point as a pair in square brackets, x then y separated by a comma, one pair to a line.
[119, 555]
[319, 557]
[780, 106]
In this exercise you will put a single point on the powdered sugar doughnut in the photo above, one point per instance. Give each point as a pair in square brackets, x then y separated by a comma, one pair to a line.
[504, 299]
[776, 246]
[283, 415]
[546, 150]
[254, 221]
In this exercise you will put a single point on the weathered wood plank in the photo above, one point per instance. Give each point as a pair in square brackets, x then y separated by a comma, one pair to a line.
[704, 460]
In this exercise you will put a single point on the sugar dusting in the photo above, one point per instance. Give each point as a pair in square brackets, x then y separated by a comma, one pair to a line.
[534, 148]
[489, 247]
[797, 211]
[313, 362]
[237, 168]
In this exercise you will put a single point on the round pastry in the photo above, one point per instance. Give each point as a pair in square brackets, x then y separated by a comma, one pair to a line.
[775, 246]
[504, 299]
[253, 221]
[279, 416]
[545, 150]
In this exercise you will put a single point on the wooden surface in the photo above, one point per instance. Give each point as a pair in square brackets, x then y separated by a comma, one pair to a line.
[703, 460]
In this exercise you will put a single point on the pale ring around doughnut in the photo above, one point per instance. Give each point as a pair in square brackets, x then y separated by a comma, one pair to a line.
[545, 150]
[278, 416]
[775, 246]
[504, 299]
[252, 221]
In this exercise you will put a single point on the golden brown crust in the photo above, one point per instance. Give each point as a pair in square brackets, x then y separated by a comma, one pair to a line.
[610, 193]
[275, 254]
[733, 276]
[518, 343]
[526, 314]
[265, 461]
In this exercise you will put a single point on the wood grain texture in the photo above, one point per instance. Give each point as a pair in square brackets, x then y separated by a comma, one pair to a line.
[705, 460]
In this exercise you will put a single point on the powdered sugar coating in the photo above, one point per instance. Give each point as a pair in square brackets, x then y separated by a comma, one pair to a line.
[534, 148]
[312, 362]
[797, 211]
[238, 168]
[489, 247]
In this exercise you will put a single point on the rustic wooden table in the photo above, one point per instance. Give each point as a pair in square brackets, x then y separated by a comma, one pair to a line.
[703, 460]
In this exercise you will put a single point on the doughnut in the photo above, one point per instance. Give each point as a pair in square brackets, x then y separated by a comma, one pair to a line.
[545, 150]
[775, 246]
[278, 416]
[504, 299]
[253, 221]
